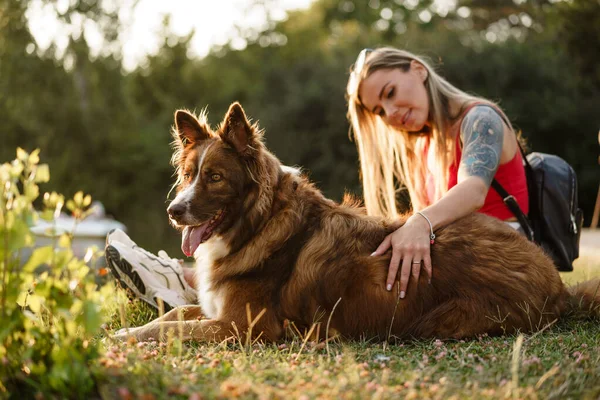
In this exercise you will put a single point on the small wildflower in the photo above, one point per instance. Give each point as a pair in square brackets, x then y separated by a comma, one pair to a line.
[579, 356]
[124, 393]
[532, 360]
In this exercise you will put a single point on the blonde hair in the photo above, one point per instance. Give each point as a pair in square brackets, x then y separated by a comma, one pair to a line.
[391, 159]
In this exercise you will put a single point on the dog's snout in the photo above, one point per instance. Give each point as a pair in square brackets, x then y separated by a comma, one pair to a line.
[176, 211]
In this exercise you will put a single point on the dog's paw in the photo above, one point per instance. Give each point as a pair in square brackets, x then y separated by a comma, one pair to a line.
[124, 334]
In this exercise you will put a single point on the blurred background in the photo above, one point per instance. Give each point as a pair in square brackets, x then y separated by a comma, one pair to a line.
[94, 83]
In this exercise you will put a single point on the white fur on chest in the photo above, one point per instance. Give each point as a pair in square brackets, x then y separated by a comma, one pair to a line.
[206, 254]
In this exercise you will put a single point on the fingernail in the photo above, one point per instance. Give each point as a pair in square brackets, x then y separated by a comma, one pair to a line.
[429, 282]
[373, 253]
[389, 287]
[402, 294]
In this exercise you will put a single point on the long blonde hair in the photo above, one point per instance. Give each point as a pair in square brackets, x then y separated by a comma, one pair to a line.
[392, 159]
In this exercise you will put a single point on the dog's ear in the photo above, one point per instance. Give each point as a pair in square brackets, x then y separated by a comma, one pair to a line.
[189, 129]
[236, 130]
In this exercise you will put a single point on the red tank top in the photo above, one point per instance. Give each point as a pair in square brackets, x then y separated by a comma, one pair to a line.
[511, 175]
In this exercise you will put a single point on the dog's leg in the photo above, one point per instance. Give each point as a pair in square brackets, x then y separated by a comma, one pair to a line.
[183, 313]
[187, 313]
[201, 330]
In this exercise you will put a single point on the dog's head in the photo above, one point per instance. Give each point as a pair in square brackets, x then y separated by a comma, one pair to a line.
[223, 176]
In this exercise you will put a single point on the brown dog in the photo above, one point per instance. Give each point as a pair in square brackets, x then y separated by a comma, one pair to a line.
[265, 238]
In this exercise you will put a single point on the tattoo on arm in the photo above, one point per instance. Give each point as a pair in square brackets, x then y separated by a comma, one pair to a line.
[482, 135]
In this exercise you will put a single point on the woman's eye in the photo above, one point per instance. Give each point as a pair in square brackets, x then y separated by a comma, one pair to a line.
[215, 177]
[390, 93]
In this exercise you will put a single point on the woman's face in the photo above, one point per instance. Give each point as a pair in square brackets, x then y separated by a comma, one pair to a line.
[399, 97]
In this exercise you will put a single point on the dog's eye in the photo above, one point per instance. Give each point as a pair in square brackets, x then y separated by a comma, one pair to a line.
[215, 177]
[187, 176]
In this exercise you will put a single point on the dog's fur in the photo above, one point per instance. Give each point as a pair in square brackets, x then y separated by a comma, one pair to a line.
[282, 247]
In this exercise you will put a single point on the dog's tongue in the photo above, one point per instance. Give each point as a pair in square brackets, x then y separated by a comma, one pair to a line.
[191, 238]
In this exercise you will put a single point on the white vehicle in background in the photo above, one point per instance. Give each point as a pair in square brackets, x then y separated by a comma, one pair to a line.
[87, 234]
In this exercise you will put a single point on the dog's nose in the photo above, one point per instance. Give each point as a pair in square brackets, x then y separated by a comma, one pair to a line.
[176, 210]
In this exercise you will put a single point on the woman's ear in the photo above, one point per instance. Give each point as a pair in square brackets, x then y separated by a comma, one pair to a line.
[419, 69]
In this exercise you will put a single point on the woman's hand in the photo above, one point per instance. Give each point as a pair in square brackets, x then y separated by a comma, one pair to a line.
[410, 245]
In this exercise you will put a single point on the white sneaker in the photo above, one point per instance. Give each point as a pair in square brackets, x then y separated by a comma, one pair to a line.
[149, 277]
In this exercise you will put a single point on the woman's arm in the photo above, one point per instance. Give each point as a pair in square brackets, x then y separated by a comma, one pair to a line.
[482, 135]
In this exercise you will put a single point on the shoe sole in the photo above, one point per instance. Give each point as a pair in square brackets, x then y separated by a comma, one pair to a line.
[121, 267]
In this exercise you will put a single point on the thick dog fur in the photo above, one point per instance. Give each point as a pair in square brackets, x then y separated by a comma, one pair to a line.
[284, 248]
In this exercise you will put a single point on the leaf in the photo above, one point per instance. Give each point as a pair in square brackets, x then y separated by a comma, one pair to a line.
[71, 205]
[47, 215]
[42, 174]
[64, 241]
[78, 198]
[92, 317]
[39, 256]
[31, 191]
[87, 200]
[4, 173]
[35, 303]
[22, 154]
[34, 157]
[19, 235]
[16, 169]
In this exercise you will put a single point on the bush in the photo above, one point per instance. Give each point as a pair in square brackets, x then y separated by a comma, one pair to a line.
[50, 305]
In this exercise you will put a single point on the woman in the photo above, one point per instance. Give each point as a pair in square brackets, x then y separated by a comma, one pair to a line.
[414, 130]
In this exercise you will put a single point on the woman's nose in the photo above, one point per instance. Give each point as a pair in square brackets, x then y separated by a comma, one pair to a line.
[389, 110]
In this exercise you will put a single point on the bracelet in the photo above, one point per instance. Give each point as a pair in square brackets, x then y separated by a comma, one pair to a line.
[432, 235]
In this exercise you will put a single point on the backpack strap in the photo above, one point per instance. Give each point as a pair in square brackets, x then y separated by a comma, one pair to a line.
[514, 207]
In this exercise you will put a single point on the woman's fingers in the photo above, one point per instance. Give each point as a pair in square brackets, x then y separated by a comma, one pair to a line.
[393, 269]
[427, 266]
[416, 269]
[384, 246]
[405, 275]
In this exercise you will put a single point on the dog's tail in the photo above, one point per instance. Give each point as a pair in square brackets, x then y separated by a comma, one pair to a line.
[585, 299]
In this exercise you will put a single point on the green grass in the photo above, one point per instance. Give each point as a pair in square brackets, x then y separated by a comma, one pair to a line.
[563, 361]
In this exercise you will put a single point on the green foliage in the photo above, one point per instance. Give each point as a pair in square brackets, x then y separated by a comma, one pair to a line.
[50, 305]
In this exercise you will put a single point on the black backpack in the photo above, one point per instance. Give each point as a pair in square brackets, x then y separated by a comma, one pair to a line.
[554, 220]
